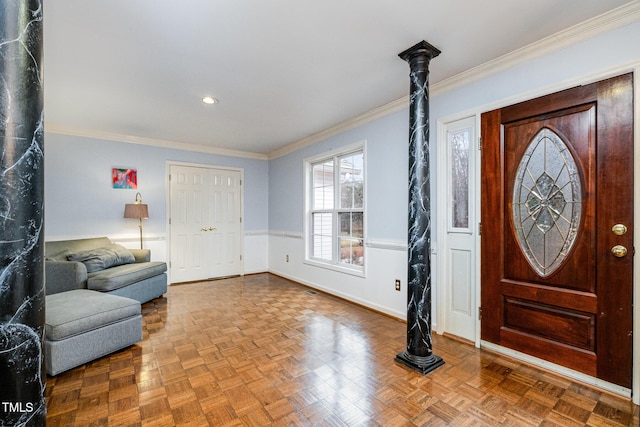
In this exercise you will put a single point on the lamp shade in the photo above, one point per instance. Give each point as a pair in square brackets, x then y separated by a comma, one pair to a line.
[136, 210]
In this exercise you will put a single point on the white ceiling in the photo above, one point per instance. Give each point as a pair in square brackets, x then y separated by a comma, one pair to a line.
[283, 70]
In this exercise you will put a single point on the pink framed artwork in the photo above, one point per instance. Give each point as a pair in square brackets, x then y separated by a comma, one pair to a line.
[124, 178]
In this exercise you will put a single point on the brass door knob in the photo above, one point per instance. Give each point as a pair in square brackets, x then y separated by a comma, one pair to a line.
[619, 251]
[619, 229]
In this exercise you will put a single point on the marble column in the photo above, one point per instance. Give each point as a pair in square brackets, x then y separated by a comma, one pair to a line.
[419, 355]
[22, 301]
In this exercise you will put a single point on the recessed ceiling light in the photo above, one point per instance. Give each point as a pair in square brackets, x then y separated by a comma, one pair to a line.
[209, 100]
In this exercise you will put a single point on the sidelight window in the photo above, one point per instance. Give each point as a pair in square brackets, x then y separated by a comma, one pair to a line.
[459, 145]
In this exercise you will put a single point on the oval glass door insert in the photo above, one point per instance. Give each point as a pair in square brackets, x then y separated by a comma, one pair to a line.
[547, 202]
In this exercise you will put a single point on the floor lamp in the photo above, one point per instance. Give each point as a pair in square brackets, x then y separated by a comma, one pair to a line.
[137, 210]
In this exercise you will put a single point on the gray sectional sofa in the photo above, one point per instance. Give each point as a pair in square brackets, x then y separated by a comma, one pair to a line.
[94, 290]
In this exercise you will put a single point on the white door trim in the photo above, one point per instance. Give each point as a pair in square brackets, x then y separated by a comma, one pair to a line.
[636, 237]
[443, 243]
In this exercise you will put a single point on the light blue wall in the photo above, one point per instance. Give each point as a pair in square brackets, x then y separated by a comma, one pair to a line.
[80, 200]
[386, 169]
[387, 138]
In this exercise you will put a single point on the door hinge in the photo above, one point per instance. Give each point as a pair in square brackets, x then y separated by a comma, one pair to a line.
[240, 219]
[480, 143]
[479, 313]
[240, 257]
[169, 177]
[169, 221]
[479, 228]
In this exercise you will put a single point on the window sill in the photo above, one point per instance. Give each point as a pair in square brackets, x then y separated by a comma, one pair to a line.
[357, 271]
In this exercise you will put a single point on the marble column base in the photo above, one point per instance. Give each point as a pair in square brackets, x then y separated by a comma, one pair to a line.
[424, 365]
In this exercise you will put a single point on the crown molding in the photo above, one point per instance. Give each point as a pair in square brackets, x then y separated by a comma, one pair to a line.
[109, 136]
[369, 116]
[616, 18]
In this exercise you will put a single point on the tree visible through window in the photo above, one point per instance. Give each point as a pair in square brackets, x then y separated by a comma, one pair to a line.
[337, 210]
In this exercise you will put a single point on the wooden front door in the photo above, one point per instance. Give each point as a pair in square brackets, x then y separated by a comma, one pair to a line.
[557, 211]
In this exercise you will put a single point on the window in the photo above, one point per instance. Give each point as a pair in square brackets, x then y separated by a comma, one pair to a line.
[335, 201]
[459, 145]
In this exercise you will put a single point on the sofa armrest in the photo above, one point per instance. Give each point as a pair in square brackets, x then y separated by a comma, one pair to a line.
[61, 276]
[141, 255]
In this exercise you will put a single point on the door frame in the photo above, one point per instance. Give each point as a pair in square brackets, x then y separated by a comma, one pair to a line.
[168, 165]
[634, 392]
[442, 244]
[636, 235]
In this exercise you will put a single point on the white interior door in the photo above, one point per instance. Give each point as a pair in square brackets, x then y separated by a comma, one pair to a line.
[458, 263]
[205, 223]
[226, 217]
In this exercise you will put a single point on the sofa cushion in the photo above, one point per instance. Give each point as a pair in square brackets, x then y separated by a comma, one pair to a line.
[100, 258]
[81, 310]
[58, 250]
[123, 275]
[64, 276]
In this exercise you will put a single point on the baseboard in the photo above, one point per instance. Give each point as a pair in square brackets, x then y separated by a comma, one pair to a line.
[348, 298]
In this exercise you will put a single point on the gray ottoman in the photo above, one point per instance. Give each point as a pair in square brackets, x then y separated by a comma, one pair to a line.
[83, 325]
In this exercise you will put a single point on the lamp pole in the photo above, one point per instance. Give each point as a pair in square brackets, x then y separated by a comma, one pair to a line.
[140, 226]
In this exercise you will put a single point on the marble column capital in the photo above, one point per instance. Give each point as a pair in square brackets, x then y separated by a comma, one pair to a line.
[421, 50]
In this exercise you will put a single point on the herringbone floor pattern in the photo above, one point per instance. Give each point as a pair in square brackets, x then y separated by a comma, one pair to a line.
[261, 350]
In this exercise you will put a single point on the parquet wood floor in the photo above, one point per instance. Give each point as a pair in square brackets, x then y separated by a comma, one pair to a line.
[260, 350]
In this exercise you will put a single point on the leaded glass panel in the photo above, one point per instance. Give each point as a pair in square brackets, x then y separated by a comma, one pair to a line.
[547, 202]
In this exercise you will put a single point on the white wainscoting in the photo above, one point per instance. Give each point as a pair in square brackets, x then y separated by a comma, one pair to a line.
[255, 256]
[256, 251]
[386, 261]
